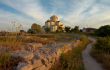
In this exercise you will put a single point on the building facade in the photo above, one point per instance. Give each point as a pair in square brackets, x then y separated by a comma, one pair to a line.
[54, 24]
[88, 30]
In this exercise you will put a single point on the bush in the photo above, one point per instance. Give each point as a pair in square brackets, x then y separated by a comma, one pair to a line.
[4, 57]
[36, 27]
[103, 44]
[103, 31]
[84, 39]
[31, 31]
[101, 51]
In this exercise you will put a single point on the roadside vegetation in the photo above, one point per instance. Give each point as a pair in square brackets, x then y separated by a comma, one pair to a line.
[7, 62]
[10, 43]
[103, 31]
[101, 51]
[14, 43]
[73, 59]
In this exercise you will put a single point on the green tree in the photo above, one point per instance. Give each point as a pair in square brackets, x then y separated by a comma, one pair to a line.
[47, 29]
[76, 29]
[36, 27]
[31, 31]
[60, 29]
[67, 29]
[103, 31]
[72, 30]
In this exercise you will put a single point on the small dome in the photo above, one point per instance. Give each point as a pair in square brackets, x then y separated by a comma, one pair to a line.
[54, 18]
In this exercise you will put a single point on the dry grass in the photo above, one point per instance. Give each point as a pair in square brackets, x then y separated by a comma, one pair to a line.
[72, 60]
[13, 43]
[7, 62]
[30, 39]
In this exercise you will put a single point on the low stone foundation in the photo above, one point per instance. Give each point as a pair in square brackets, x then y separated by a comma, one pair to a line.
[44, 57]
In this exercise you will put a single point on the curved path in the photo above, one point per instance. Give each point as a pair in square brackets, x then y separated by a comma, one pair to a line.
[89, 62]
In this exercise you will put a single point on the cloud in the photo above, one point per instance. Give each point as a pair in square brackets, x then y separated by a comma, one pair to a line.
[6, 19]
[28, 7]
[84, 13]
[89, 14]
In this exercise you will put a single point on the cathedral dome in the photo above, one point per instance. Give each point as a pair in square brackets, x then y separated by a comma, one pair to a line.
[54, 18]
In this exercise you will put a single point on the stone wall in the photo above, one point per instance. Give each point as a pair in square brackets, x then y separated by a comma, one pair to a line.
[44, 57]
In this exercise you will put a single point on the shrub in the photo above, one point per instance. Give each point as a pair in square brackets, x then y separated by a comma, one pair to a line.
[101, 51]
[103, 31]
[103, 44]
[31, 31]
[4, 57]
[84, 39]
[7, 62]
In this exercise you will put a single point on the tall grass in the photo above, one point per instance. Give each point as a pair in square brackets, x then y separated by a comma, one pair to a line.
[7, 62]
[12, 43]
[101, 51]
[73, 59]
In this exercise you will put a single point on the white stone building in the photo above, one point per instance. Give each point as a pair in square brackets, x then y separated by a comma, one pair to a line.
[54, 24]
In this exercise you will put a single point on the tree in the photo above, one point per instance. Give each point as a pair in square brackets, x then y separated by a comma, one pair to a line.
[67, 29]
[72, 30]
[31, 31]
[47, 29]
[60, 29]
[36, 27]
[103, 31]
[22, 31]
[76, 29]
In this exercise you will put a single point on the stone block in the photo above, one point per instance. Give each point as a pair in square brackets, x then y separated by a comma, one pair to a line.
[24, 66]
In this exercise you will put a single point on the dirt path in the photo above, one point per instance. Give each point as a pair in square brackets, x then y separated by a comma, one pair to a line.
[89, 62]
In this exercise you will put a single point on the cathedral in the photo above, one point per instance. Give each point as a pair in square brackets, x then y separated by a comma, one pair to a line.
[54, 24]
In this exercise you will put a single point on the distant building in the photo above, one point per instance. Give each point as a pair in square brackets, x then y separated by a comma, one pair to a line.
[88, 30]
[54, 24]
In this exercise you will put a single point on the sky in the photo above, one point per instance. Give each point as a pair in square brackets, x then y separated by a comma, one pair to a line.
[82, 13]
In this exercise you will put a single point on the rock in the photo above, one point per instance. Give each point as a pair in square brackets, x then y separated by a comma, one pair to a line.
[42, 56]
[49, 65]
[49, 58]
[24, 66]
[33, 46]
[36, 63]
[66, 48]
[42, 68]
[23, 54]
[37, 55]
[59, 52]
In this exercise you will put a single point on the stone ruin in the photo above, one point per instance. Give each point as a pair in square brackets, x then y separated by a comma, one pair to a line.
[42, 58]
